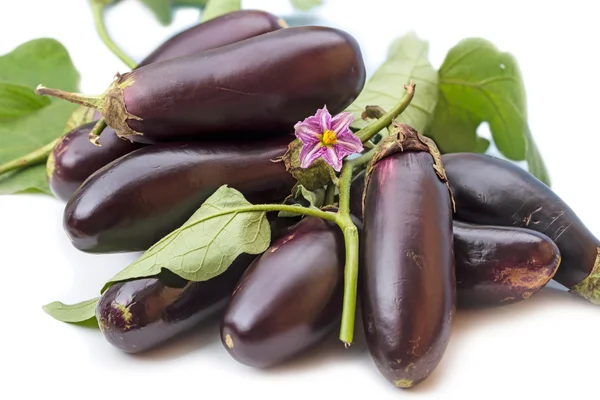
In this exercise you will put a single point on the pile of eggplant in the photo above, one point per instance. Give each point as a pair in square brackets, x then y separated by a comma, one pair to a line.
[216, 105]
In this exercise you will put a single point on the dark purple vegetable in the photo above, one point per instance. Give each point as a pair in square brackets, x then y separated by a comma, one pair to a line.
[221, 31]
[131, 203]
[407, 280]
[289, 299]
[140, 314]
[491, 191]
[253, 88]
[74, 158]
[501, 265]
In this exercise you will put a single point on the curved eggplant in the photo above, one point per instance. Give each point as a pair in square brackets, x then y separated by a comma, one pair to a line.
[221, 31]
[131, 203]
[137, 315]
[289, 299]
[407, 279]
[257, 87]
[501, 265]
[74, 158]
[491, 191]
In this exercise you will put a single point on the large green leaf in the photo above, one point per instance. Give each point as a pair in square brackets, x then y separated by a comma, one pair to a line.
[407, 61]
[216, 8]
[38, 61]
[18, 100]
[305, 5]
[479, 83]
[207, 244]
[535, 162]
[74, 313]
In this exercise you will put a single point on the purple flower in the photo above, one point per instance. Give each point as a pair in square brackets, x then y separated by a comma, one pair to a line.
[327, 137]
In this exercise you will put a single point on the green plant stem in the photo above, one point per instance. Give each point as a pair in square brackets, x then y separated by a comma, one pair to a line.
[350, 232]
[364, 158]
[98, 7]
[94, 135]
[38, 156]
[366, 133]
[330, 195]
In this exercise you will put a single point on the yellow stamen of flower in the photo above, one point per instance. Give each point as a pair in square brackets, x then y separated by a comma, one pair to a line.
[329, 138]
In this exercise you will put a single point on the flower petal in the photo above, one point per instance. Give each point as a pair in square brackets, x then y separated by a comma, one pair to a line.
[324, 118]
[310, 153]
[307, 133]
[341, 122]
[350, 142]
[332, 158]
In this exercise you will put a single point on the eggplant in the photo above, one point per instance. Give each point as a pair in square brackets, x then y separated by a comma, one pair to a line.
[492, 191]
[495, 265]
[253, 88]
[140, 314]
[131, 203]
[221, 31]
[498, 265]
[289, 299]
[407, 280]
[74, 158]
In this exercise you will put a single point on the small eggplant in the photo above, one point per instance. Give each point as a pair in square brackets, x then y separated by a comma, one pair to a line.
[74, 158]
[253, 88]
[131, 203]
[221, 31]
[289, 299]
[140, 314]
[494, 264]
[492, 191]
[501, 265]
[407, 280]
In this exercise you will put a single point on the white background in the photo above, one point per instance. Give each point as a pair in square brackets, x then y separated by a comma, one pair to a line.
[542, 348]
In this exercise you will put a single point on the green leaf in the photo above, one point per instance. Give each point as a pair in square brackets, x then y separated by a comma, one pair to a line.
[74, 313]
[407, 60]
[535, 163]
[37, 61]
[161, 10]
[479, 83]
[302, 197]
[17, 100]
[190, 3]
[305, 5]
[207, 244]
[216, 8]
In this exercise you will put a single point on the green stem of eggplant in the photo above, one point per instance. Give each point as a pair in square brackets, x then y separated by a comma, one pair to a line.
[329, 195]
[350, 232]
[366, 133]
[98, 7]
[37, 156]
[94, 135]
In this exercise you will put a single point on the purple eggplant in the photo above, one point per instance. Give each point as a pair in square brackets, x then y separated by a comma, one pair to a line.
[492, 191]
[221, 31]
[131, 203]
[74, 158]
[407, 280]
[498, 265]
[253, 88]
[289, 299]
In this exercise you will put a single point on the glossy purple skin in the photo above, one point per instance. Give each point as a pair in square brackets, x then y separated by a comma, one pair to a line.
[256, 87]
[220, 31]
[131, 203]
[491, 191]
[75, 158]
[138, 315]
[407, 281]
[289, 299]
[498, 265]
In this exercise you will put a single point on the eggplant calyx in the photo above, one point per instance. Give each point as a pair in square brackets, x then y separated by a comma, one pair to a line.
[114, 109]
[589, 288]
